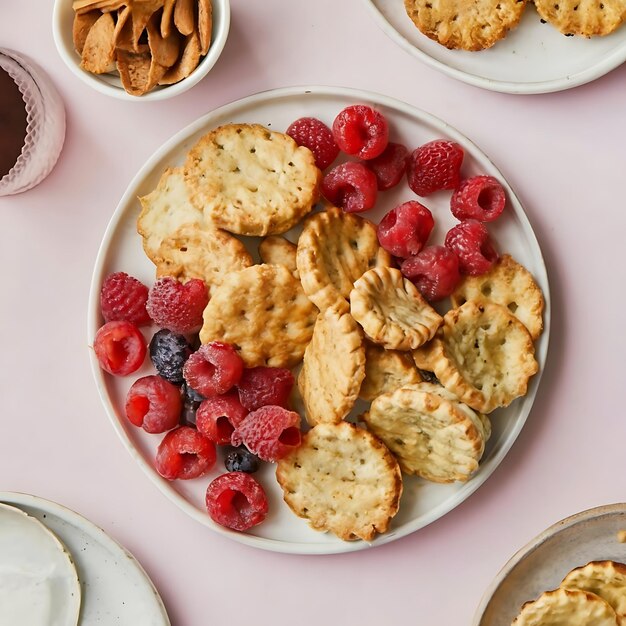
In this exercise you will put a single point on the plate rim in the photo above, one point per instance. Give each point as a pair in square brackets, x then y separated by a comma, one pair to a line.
[610, 63]
[298, 547]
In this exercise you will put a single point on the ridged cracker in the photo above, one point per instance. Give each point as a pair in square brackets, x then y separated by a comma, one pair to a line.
[250, 180]
[385, 371]
[431, 433]
[333, 367]
[342, 480]
[195, 251]
[566, 607]
[606, 579]
[510, 284]
[465, 24]
[278, 250]
[583, 17]
[391, 310]
[483, 354]
[334, 250]
[264, 313]
[164, 210]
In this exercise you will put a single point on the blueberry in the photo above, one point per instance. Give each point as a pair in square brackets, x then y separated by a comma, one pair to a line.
[169, 352]
[191, 395]
[241, 460]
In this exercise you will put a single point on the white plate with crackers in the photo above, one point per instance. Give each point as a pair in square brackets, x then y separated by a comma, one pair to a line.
[532, 57]
[585, 551]
[422, 502]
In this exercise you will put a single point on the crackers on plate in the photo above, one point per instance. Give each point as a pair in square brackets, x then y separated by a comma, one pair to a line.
[583, 17]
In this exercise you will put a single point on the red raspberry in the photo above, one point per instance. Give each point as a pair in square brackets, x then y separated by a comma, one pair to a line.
[120, 348]
[178, 307]
[361, 131]
[260, 386]
[154, 404]
[317, 137]
[185, 453]
[481, 198]
[435, 165]
[270, 432]
[434, 271]
[217, 417]
[123, 297]
[405, 230]
[351, 186]
[236, 500]
[213, 369]
[470, 241]
[389, 166]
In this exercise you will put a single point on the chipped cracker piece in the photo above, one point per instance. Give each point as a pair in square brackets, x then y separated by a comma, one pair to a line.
[196, 251]
[81, 27]
[167, 19]
[354, 498]
[430, 432]
[278, 250]
[510, 284]
[124, 37]
[333, 367]
[164, 50]
[184, 18]
[187, 62]
[141, 12]
[385, 371]
[164, 210]
[104, 6]
[139, 73]
[483, 354]
[587, 18]
[263, 312]
[606, 579]
[567, 607]
[334, 250]
[250, 180]
[205, 24]
[465, 24]
[98, 55]
[391, 310]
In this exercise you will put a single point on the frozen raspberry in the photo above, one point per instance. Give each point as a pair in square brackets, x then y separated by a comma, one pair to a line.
[177, 307]
[154, 404]
[470, 241]
[185, 453]
[168, 352]
[317, 137]
[270, 432]
[213, 369]
[123, 297]
[351, 186]
[434, 271]
[217, 417]
[405, 230]
[480, 198]
[389, 166]
[361, 131]
[241, 460]
[260, 386]
[236, 500]
[434, 166]
[120, 348]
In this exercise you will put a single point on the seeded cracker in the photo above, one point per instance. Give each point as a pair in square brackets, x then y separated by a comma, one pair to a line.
[342, 479]
[583, 17]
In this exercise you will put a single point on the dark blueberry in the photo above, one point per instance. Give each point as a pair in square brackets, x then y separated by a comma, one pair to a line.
[169, 352]
[191, 395]
[191, 401]
[241, 460]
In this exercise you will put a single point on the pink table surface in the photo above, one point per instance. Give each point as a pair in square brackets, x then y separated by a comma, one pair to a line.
[562, 152]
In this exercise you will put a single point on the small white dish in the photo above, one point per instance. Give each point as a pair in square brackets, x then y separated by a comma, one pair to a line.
[592, 535]
[110, 84]
[114, 587]
[532, 58]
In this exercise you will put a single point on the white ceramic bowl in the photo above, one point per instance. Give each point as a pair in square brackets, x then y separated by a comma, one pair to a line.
[110, 84]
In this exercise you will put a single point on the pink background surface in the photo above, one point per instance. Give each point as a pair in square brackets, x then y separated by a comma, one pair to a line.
[564, 155]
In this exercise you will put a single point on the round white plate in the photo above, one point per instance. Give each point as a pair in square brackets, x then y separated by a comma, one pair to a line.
[533, 58]
[121, 250]
[591, 535]
[114, 587]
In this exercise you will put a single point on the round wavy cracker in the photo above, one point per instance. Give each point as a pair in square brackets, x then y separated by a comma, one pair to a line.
[264, 313]
[334, 250]
[583, 17]
[353, 499]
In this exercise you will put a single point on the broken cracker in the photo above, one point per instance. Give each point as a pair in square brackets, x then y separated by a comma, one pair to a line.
[187, 62]
[184, 18]
[139, 72]
[205, 24]
[98, 54]
[81, 26]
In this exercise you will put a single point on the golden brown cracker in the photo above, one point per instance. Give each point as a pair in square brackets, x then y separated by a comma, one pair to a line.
[583, 17]
[98, 54]
[278, 250]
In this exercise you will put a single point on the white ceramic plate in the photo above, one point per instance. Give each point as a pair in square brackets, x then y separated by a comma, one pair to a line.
[533, 58]
[114, 587]
[121, 250]
[541, 565]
